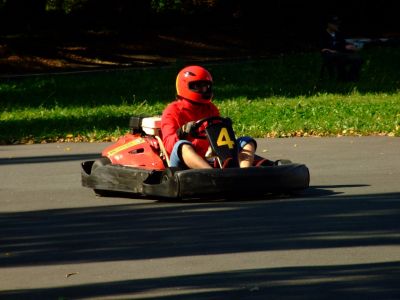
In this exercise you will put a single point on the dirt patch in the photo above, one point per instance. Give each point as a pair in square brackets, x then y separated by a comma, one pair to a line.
[94, 50]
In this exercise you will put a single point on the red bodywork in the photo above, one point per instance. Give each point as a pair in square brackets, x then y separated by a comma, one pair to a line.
[135, 150]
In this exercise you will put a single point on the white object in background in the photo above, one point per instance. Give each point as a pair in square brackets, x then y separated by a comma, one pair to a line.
[152, 125]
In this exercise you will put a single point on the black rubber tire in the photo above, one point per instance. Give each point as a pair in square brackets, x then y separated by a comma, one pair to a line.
[168, 173]
[100, 163]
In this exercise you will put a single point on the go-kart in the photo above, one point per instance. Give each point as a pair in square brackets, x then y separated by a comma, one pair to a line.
[139, 164]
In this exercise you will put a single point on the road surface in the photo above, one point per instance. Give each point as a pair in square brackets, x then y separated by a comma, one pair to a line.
[340, 239]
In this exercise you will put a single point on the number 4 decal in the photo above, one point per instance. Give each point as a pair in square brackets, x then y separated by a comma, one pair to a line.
[224, 139]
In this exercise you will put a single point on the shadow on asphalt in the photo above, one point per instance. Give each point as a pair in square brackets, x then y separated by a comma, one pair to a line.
[48, 158]
[149, 231]
[326, 282]
[112, 232]
[312, 191]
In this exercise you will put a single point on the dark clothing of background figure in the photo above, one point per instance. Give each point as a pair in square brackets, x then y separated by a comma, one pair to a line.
[347, 63]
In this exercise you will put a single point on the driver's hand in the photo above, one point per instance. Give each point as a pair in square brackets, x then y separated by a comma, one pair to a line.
[185, 130]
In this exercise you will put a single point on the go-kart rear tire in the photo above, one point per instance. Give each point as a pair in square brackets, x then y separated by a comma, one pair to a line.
[100, 163]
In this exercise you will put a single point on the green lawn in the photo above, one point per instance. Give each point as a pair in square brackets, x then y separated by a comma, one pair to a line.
[277, 97]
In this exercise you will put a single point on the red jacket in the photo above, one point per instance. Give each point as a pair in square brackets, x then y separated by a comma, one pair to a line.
[179, 113]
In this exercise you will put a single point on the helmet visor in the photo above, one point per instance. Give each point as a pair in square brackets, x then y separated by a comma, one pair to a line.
[203, 87]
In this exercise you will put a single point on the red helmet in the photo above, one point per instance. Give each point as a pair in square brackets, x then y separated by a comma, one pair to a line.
[194, 83]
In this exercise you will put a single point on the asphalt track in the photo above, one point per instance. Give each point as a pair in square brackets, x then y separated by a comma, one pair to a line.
[340, 239]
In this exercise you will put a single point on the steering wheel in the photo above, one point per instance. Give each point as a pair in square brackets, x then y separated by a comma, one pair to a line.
[201, 133]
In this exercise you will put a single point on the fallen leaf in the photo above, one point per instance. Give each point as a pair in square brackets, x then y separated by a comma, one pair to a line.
[70, 274]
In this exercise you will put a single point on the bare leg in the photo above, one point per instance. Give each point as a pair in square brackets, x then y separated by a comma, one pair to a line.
[192, 159]
[246, 156]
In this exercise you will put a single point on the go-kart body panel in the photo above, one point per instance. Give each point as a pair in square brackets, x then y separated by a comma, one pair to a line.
[137, 151]
[116, 178]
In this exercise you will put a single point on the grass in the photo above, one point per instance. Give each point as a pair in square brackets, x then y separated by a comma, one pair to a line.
[321, 115]
[275, 97]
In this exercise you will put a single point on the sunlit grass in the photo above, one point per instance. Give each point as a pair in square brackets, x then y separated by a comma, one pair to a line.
[275, 97]
[316, 115]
